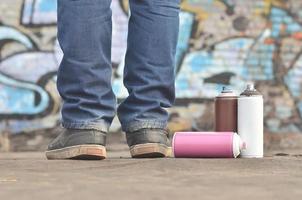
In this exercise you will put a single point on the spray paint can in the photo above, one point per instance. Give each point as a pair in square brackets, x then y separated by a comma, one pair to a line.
[206, 145]
[250, 122]
[226, 111]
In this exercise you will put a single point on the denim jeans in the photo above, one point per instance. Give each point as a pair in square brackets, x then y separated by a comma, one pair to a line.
[84, 76]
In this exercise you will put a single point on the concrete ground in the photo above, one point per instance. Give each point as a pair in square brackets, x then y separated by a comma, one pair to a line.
[30, 176]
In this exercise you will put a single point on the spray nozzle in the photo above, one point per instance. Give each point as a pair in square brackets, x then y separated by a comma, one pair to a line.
[250, 86]
[225, 89]
[243, 145]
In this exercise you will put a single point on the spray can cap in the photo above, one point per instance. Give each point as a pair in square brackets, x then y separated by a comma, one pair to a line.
[227, 92]
[250, 91]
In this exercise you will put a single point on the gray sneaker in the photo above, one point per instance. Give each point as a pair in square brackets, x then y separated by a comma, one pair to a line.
[78, 144]
[148, 143]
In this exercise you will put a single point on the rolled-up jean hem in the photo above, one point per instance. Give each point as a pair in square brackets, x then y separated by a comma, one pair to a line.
[99, 126]
[137, 125]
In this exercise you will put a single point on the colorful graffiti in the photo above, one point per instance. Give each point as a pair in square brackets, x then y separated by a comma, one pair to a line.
[39, 13]
[221, 42]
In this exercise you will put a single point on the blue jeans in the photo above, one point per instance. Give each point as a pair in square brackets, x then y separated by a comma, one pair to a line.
[84, 76]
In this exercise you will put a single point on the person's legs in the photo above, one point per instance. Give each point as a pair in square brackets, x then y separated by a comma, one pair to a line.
[149, 65]
[84, 76]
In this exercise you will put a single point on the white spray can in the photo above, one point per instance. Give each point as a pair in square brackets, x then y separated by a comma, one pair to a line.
[250, 122]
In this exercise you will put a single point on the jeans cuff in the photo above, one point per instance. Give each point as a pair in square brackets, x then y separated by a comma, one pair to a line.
[136, 125]
[95, 125]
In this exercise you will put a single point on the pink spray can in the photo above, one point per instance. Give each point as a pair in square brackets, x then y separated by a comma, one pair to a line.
[207, 145]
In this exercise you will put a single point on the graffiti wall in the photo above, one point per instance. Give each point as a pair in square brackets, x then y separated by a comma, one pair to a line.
[221, 42]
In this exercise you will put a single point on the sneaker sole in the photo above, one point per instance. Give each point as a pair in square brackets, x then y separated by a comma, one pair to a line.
[149, 150]
[80, 152]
